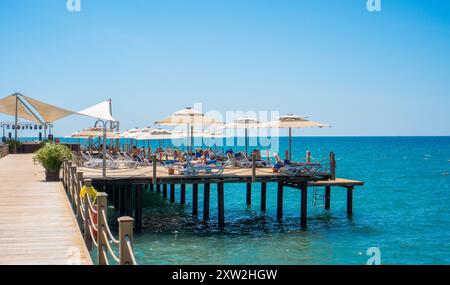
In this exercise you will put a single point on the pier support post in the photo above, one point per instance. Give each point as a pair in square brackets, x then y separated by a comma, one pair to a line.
[172, 193]
[280, 200]
[221, 204]
[327, 197]
[123, 190]
[263, 195]
[304, 205]
[206, 192]
[151, 187]
[194, 199]
[249, 193]
[349, 201]
[138, 207]
[164, 190]
[183, 194]
[129, 200]
[116, 194]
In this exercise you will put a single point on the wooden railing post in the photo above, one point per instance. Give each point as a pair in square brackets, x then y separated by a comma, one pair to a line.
[253, 167]
[77, 198]
[332, 166]
[68, 165]
[86, 232]
[125, 236]
[154, 169]
[102, 203]
[73, 182]
[308, 156]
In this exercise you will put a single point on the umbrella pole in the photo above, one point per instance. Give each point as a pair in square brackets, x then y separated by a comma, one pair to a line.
[246, 141]
[104, 149]
[290, 144]
[16, 121]
[192, 138]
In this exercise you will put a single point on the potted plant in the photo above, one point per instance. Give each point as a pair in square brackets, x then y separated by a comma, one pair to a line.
[51, 157]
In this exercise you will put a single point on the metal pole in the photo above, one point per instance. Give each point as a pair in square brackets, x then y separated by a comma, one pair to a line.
[16, 122]
[246, 141]
[104, 148]
[192, 138]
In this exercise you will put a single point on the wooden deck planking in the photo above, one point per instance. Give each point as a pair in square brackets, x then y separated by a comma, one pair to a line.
[338, 182]
[162, 173]
[242, 173]
[37, 225]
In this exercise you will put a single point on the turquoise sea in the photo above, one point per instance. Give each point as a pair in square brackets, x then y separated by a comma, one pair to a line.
[403, 210]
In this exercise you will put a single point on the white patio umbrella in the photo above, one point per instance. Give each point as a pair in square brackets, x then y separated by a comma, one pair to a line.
[191, 118]
[245, 122]
[158, 134]
[290, 122]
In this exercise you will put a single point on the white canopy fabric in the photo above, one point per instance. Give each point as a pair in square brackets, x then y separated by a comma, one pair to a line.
[8, 107]
[100, 111]
[95, 132]
[243, 122]
[295, 122]
[48, 112]
[188, 116]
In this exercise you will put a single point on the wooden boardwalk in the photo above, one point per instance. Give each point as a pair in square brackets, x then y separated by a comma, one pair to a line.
[37, 225]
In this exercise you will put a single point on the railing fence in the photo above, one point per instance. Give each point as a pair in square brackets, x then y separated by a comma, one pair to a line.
[93, 220]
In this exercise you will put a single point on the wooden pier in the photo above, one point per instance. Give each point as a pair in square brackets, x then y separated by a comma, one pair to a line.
[37, 225]
[121, 183]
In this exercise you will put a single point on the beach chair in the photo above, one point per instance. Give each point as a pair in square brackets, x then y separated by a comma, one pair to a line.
[297, 168]
[191, 169]
[128, 161]
[258, 163]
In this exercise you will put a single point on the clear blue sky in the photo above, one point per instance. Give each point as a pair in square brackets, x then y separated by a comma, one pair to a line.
[384, 73]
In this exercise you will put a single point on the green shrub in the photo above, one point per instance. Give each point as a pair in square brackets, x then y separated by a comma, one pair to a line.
[51, 156]
[12, 143]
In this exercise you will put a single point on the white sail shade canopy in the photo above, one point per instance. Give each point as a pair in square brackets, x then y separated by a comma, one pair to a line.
[8, 107]
[100, 111]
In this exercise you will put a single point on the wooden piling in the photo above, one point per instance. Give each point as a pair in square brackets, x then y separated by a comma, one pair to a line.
[123, 190]
[263, 195]
[221, 203]
[280, 200]
[206, 194]
[138, 207]
[172, 193]
[249, 193]
[164, 190]
[194, 199]
[349, 201]
[327, 197]
[183, 194]
[129, 200]
[116, 194]
[304, 204]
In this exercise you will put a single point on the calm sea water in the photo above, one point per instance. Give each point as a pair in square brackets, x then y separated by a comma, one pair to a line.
[403, 210]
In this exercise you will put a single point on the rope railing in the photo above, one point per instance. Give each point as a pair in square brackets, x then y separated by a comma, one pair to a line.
[93, 220]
